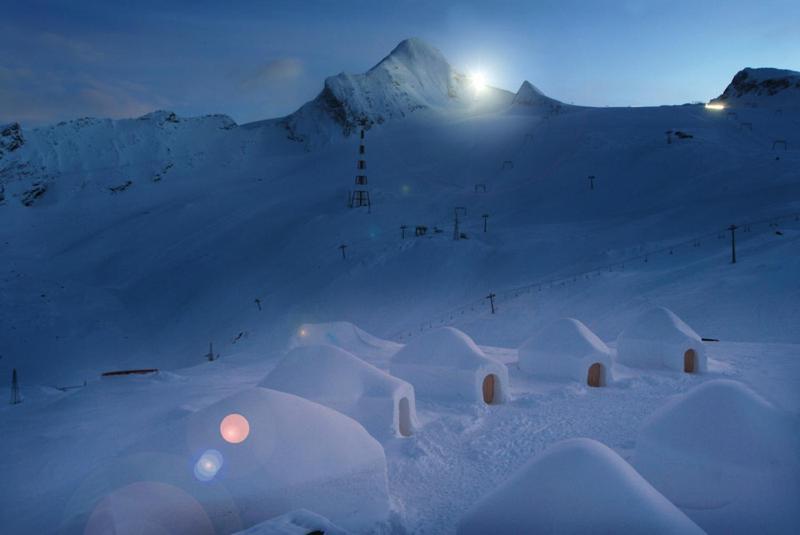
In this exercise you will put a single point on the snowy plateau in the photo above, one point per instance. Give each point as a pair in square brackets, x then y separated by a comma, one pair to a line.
[536, 326]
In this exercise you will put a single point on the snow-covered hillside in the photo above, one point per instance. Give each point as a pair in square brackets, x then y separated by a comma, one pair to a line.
[754, 87]
[133, 243]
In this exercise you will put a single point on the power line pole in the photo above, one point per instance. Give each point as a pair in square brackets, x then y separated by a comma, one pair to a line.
[456, 231]
[343, 247]
[403, 232]
[485, 219]
[491, 297]
[15, 396]
[210, 355]
[733, 228]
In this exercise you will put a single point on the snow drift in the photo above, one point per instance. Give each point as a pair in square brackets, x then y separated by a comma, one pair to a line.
[567, 349]
[660, 339]
[298, 454]
[445, 364]
[576, 486]
[331, 376]
[727, 457]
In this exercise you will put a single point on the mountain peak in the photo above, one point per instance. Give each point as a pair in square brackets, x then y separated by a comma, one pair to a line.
[766, 85]
[529, 96]
[414, 76]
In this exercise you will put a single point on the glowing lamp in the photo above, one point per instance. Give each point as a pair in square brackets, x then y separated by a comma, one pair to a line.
[234, 428]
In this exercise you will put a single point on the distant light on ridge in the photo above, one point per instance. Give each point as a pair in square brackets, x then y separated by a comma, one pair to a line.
[715, 106]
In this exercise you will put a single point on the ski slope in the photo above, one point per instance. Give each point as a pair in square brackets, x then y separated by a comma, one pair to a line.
[134, 243]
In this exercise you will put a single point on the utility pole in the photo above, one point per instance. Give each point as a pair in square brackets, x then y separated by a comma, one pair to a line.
[591, 181]
[15, 397]
[732, 229]
[456, 231]
[491, 297]
[210, 355]
[403, 232]
[343, 247]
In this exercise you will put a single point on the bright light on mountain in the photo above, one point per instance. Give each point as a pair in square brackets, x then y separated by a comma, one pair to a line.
[715, 106]
[478, 80]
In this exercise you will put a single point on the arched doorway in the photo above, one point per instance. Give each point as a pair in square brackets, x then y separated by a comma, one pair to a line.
[489, 388]
[690, 361]
[404, 418]
[595, 375]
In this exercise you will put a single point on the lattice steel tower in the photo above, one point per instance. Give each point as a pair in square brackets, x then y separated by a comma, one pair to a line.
[360, 195]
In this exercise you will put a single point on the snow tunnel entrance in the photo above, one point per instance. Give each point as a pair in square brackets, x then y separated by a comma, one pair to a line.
[404, 418]
[595, 375]
[489, 388]
[689, 361]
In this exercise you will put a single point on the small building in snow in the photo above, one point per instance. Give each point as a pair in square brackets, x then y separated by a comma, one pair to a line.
[567, 349]
[576, 486]
[300, 522]
[331, 376]
[660, 339]
[445, 364]
[727, 456]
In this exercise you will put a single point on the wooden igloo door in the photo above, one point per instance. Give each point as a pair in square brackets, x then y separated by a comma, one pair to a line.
[488, 389]
[595, 375]
[689, 361]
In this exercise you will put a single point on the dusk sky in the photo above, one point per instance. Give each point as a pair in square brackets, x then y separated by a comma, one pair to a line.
[254, 60]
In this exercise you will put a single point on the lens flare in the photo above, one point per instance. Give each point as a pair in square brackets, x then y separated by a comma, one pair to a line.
[234, 428]
[208, 465]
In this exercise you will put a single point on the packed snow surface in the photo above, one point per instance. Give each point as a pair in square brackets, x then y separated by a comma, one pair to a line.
[576, 486]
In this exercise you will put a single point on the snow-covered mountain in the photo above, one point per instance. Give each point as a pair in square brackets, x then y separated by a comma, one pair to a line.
[530, 97]
[413, 77]
[762, 87]
[136, 242]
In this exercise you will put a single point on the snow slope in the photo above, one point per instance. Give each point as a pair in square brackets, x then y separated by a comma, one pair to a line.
[135, 243]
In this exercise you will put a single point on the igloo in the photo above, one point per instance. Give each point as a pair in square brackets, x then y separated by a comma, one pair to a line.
[660, 339]
[292, 454]
[445, 364]
[331, 376]
[349, 337]
[567, 349]
[301, 522]
[576, 486]
[725, 455]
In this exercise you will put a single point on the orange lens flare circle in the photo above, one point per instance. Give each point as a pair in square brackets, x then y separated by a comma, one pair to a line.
[234, 428]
